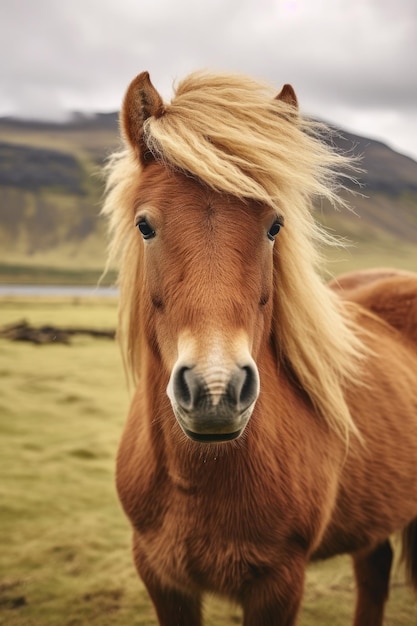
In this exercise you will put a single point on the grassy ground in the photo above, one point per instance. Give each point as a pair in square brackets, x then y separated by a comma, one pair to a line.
[362, 255]
[65, 557]
[23, 274]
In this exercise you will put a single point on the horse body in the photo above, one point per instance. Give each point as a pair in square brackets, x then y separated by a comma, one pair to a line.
[193, 512]
[273, 422]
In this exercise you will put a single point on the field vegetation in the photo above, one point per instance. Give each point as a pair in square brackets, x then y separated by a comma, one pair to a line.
[65, 557]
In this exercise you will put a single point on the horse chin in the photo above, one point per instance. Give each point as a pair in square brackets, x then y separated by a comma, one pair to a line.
[212, 428]
[212, 437]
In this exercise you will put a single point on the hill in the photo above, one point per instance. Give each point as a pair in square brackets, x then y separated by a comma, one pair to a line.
[51, 190]
[387, 199]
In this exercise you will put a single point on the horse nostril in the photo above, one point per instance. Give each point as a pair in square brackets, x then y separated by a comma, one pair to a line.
[248, 381]
[182, 389]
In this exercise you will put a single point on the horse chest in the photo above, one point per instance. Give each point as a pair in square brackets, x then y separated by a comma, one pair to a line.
[218, 525]
[213, 542]
[195, 550]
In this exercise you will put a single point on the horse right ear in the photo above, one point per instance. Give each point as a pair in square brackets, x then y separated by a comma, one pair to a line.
[141, 102]
[287, 95]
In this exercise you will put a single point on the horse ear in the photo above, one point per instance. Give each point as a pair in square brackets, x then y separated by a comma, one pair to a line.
[287, 94]
[141, 102]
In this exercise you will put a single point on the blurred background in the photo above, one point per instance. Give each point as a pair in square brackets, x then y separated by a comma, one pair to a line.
[63, 399]
[65, 70]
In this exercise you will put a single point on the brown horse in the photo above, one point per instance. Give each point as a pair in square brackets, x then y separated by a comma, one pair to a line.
[274, 421]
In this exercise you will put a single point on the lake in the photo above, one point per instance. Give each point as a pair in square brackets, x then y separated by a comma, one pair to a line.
[71, 291]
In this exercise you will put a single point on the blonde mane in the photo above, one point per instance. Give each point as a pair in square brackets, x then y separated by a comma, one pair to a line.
[232, 134]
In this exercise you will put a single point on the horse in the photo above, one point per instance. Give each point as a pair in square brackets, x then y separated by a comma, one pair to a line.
[274, 417]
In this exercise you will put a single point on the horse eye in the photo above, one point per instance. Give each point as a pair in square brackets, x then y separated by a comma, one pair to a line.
[274, 230]
[145, 229]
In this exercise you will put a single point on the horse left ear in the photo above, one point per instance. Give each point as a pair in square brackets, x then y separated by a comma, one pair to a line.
[287, 95]
[141, 102]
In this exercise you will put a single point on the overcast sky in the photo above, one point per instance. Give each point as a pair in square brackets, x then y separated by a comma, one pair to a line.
[351, 62]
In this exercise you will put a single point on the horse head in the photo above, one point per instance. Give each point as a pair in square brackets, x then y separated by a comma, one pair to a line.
[208, 276]
[213, 280]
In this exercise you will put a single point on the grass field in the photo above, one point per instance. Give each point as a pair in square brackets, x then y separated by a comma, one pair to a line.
[65, 556]
[21, 274]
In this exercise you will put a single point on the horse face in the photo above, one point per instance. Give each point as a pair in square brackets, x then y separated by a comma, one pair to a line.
[208, 275]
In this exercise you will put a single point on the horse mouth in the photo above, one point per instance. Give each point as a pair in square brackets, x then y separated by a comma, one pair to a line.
[212, 437]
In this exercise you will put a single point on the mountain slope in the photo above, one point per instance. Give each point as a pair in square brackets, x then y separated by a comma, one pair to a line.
[51, 190]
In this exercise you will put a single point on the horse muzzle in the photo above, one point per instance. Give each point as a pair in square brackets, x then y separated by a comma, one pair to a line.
[213, 404]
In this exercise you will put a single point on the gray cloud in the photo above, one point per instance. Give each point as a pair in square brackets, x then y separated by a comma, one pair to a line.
[351, 61]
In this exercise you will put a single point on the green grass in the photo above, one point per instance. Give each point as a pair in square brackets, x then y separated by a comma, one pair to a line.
[65, 557]
[69, 311]
[24, 274]
[363, 254]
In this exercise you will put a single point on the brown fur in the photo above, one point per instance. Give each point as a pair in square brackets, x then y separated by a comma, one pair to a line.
[390, 293]
[244, 518]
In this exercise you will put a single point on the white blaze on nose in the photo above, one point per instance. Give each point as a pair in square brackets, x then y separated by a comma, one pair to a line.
[215, 369]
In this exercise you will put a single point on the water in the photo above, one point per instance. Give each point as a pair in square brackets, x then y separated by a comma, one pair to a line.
[57, 290]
